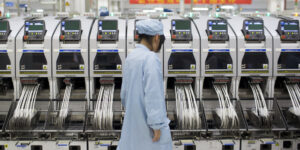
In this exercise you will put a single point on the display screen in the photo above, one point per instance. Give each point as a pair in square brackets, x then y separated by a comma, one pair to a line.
[36, 26]
[255, 26]
[218, 26]
[3, 26]
[72, 25]
[183, 25]
[109, 25]
[291, 26]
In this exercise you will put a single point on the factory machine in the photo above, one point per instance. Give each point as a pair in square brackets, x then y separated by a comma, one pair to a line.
[254, 49]
[181, 76]
[70, 84]
[254, 82]
[9, 28]
[285, 32]
[28, 114]
[107, 55]
[217, 84]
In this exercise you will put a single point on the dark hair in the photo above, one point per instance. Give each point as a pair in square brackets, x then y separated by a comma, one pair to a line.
[148, 38]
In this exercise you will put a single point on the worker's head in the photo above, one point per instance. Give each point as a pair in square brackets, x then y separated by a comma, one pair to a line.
[151, 33]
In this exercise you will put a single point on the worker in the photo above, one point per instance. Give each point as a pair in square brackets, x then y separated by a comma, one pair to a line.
[145, 126]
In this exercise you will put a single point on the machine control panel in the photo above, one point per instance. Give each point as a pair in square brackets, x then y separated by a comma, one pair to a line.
[108, 30]
[70, 30]
[288, 30]
[35, 30]
[217, 30]
[4, 30]
[181, 30]
[253, 30]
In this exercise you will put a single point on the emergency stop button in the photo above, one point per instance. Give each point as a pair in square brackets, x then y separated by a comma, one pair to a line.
[62, 37]
[210, 36]
[283, 36]
[99, 37]
[173, 36]
[247, 36]
[25, 37]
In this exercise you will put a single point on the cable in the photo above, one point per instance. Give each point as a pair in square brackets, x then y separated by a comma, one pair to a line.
[260, 102]
[63, 113]
[25, 111]
[186, 107]
[103, 115]
[294, 92]
[226, 112]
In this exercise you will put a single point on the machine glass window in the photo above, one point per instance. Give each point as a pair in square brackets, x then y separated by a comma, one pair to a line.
[181, 60]
[107, 61]
[69, 61]
[289, 60]
[4, 61]
[218, 60]
[254, 60]
[32, 61]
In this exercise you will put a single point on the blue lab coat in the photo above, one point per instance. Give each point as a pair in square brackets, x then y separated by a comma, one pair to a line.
[142, 96]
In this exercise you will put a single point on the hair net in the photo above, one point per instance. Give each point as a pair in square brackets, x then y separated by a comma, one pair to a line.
[150, 27]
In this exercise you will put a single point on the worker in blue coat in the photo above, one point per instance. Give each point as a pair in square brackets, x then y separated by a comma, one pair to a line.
[145, 126]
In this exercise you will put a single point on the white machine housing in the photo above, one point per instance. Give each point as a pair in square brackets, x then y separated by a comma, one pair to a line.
[8, 50]
[281, 47]
[182, 41]
[116, 47]
[34, 47]
[77, 47]
[208, 47]
[262, 48]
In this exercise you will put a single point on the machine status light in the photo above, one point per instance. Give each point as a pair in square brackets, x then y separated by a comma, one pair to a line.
[173, 36]
[8, 15]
